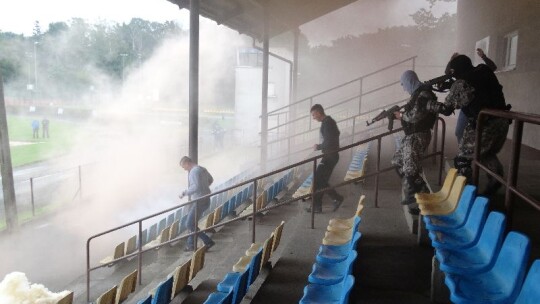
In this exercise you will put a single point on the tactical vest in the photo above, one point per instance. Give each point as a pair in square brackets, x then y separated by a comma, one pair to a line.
[426, 123]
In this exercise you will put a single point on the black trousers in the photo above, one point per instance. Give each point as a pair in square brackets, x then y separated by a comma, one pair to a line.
[322, 176]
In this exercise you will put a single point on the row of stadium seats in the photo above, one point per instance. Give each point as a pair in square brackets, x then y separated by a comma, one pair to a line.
[356, 170]
[271, 192]
[331, 277]
[165, 291]
[482, 263]
[235, 284]
[357, 167]
[173, 225]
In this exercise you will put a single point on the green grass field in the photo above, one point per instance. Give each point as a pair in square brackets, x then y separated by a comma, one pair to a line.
[61, 138]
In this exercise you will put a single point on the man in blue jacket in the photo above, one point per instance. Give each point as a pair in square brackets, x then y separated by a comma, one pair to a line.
[199, 181]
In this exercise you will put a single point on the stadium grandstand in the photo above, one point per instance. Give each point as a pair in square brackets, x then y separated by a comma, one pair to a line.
[462, 248]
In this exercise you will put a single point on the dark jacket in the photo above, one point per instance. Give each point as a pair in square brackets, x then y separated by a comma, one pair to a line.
[329, 134]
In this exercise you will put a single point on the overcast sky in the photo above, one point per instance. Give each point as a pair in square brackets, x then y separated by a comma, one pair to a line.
[18, 16]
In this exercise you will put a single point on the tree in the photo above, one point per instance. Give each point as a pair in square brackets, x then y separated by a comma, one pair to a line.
[425, 19]
[36, 32]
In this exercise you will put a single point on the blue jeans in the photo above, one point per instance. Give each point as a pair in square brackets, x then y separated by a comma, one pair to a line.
[191, 222]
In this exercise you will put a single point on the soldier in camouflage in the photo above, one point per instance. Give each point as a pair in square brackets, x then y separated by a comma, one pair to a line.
[476, 88]
[417, 123]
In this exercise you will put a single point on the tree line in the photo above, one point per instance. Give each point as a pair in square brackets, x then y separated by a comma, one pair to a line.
[67, 55]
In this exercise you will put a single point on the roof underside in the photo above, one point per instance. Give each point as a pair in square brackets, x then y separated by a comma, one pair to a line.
[246, 16]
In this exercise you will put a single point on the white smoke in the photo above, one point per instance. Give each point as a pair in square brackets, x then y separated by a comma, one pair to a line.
[16, 289]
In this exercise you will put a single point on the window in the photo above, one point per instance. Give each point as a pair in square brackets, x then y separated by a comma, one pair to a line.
[249, 57]
[484, 45]
[511, 50]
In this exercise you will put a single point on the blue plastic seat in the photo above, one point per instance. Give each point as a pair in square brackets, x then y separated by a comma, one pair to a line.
[466, 236]
[152, 233]
[147, 300]
[253, 267]
[170, 219]
[162, 225]
[163, 292]
[328, 294]
[332, 273]
[501, 283]
[481, 256]
[219, 298]
[530, 292]
[235, 283]
[337, 253]
[455, 219]
[225, 209]
[144, 238]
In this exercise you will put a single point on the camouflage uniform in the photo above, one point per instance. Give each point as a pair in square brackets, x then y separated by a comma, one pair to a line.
[494, 133]
[417, 123]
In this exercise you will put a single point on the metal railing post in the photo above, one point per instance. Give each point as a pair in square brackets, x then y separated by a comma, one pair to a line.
[254, 210]
[377, 168]
[513, 170]
[139, 254]
[195, 224]
[32, 196]
[88, 270]
[310, 105]
[313, 189]
[360, 96]
[443, 136]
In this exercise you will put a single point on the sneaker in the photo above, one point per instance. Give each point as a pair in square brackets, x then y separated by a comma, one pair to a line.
[337, 204]
[210, 245]
[189, 249]
[316, 210]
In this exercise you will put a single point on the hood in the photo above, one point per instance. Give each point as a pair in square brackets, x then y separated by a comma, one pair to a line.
[410, 82]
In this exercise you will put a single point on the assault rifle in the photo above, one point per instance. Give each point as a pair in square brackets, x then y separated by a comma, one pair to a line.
[441, 83]
[386, 114]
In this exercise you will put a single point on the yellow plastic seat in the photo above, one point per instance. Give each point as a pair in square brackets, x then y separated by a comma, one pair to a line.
[253, 249]
[131, 245]
[277, 235]
[337, 237]
[118, 253]
[68, 299]
[180, 278]
[450, 204]
[217, 215]
[242, 263]
[197, 262]
[357, 173]
[345, 224]
[175, 227]
[109, 297]
[208, 221]
[162, 238]
[267, 250]
[127, 286]
[434, 198]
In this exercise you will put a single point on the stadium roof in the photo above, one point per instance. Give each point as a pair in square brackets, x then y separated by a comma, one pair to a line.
[246, 16]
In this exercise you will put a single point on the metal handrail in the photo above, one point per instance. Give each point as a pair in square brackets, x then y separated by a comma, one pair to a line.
[337, 121]
[413, 58]
[511, 180]
[254, 181]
